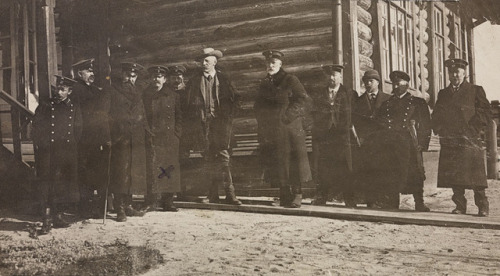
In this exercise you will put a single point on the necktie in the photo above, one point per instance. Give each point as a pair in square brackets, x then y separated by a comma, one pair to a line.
[372, 97]
[209, 77]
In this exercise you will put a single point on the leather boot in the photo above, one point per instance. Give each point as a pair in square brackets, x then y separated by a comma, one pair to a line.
[168, 203]
[213, 192]
[152, 203]
[285, 195]
[461, 203]
[419, 202]
[481, 201]
[484, 208]
[47, 221]
[321, 195]
[297, 197]
[230, 196]
[119, 203]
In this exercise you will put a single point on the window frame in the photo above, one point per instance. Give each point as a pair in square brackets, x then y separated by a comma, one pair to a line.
[396, 32]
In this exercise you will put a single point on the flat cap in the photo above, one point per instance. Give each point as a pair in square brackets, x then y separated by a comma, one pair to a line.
[371, 75]
[398, 75]
[84, 64]
[131, 67]
[176, 70]
[456, 63]
[64, 81]
[273, 54]
[210, 52]
[158, 70]
[329, 69]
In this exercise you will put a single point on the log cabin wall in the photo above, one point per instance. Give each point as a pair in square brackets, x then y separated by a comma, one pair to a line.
[173, 32]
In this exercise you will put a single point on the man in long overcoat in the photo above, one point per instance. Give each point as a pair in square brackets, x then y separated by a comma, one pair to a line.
[397, 165]
[175, 75]
[128, 127]
[332, 139]
[94, 146]
[364, 108]
[163, 112]
[57, 128]
[279, 109]
[211, 102]
[460, 116]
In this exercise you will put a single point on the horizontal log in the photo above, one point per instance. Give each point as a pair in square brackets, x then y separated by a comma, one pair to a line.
[364, 32]
[234, 47]
[365, 63]
[174, 20]
[365, 47]
[241, 30]
[365, 4]
[364, 16]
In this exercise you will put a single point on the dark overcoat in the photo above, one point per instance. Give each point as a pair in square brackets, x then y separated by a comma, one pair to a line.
[279, 109]
[365, 124]
[163, 113]
[57, 129]
[459, 118]
[394, 158]
[128, 127]
[93, 148]
[332, 157]
[195, 123]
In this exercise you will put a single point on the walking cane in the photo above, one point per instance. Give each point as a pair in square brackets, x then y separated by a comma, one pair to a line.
[107, 187]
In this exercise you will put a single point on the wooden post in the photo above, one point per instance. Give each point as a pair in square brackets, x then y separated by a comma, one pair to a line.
[47, 59]
[14, 88]
[492, 155]
[102, 37]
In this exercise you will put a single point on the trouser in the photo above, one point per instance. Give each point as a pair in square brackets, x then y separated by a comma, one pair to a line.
[93, 163]
[480, 198]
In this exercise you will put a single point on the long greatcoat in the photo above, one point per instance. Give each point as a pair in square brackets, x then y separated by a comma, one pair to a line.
[394, 160]
[363, 120]
[128, 127]
[332, 157]
[93, 148]
[163, 113]
[57, 129]
[459, 118]
[279, 109]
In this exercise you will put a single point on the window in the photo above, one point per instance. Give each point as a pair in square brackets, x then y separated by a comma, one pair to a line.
[439, 48]
[398, 42]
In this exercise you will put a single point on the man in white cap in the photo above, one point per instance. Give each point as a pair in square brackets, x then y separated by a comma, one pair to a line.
[211, 102]
[460, 117]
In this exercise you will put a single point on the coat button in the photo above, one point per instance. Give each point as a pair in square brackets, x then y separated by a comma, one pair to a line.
[69, 124]
[67, 141]
[52, 132]
[52, 124]
[70, 117]
[53, 116]
[69, 132]
[52, 140]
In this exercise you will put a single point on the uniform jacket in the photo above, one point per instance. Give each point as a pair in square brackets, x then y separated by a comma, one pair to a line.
[94, 104]
[195, 118]
[57, 129]
[397, 153]
[279, 109]
[459, 118]
[163, 113]
[128, 127]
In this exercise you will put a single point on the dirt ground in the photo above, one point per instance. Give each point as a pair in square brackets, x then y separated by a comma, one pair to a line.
[207, 242]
